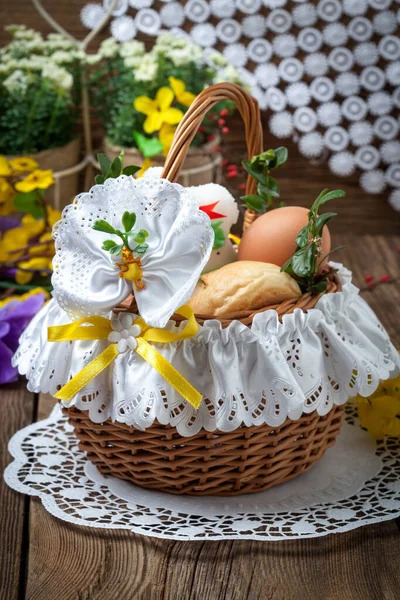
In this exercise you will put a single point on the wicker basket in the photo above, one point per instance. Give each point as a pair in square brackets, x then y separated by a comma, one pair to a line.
[247, 460]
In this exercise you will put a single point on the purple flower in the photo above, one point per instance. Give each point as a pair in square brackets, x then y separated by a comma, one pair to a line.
[8, 223]
[14, 317]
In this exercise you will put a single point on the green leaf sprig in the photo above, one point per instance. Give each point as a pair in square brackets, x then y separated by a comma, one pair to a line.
[305, 263]
[260, 167]
[128, 221]
[219, 235]
[112, 169]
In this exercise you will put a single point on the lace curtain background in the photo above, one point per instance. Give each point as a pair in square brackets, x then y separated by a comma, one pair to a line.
[328, 72]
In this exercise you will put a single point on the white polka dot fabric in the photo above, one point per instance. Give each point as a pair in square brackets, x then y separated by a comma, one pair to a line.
[327, 71]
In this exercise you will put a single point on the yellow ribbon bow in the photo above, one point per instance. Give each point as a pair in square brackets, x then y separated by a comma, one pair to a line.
[99, 328]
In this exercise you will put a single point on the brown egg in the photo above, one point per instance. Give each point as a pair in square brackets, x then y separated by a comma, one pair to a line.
[271, 238]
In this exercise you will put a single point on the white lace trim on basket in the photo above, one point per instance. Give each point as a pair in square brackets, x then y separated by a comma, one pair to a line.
[260, 375]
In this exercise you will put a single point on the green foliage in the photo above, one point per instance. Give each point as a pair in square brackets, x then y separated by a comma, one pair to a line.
[128, 222]
[113, 169]
[219, 235]
[114, 88]
[38, 105]
[148, 146]
[30, 202]
[305, 263]
[259, 167]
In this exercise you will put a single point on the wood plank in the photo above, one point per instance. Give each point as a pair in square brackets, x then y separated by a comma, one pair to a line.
[17, 411]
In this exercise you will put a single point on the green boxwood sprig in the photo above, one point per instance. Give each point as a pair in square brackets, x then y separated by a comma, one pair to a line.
[128, 221]
[305, 263]
[260, 167]
[113, 169]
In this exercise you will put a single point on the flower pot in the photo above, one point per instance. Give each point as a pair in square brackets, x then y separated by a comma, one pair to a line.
[60, 159]
[202, 165]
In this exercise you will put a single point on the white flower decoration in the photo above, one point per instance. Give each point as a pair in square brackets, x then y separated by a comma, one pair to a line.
[316, 64]
[360, 29]
[329, 10]
[88, 280]
[223, 8]
[394, 200]
[367, 157]
[124, 333]
[259, 50]
[197, 10]
[361, 133]
[389, 47]
[355, 7]
[392, 175]
[341, 59]
[366, 54]
[372, 79]
[390, 152]
[276, 99]
[281, 124]
[385, 22]
[386, 127]
[267, 75]
[311, 144]
[291, 69]
[380, 103]
[305, 119]
[373, 181]
[298, 94]
[393, 73]
[329, 114]
[347, 84]
[254, 26]
[322, 89]
[172, 14]
[335, 34]
[123, 28]
[336, 138]
[279, 20]
[284, 45]
[354, 108]
[342, 164]
[304, 15]
[309, 39]
[91, 15]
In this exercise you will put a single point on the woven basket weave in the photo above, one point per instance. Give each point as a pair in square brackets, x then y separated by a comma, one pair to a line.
[247, 460]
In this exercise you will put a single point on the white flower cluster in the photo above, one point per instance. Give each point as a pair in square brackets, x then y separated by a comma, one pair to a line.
[29, 56]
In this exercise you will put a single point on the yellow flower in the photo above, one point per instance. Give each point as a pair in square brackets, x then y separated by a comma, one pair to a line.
[146, 165]
[5, 169]
[166, 136]
[38, 179]
[12, 240]
[25, 296]
[32, 226]
[381, 416]
[53, 215]
[7, 194]
[158, 111]
[46, 249]
[23, 163]
[380, 412]
[38, 263]
[182, 95]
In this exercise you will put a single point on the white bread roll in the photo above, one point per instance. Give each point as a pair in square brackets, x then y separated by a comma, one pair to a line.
[242, 285]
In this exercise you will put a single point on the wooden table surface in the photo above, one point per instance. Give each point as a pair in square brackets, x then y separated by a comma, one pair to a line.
[43, 558]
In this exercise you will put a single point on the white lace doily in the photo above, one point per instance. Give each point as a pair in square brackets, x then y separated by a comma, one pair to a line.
[329, 70]
[260, 375]
[349, 487]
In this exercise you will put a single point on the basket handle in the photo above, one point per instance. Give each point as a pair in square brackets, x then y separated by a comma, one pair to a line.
[187, 128]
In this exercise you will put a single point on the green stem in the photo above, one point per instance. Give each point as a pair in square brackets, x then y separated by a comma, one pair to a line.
[52, 120]
[23, 288]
